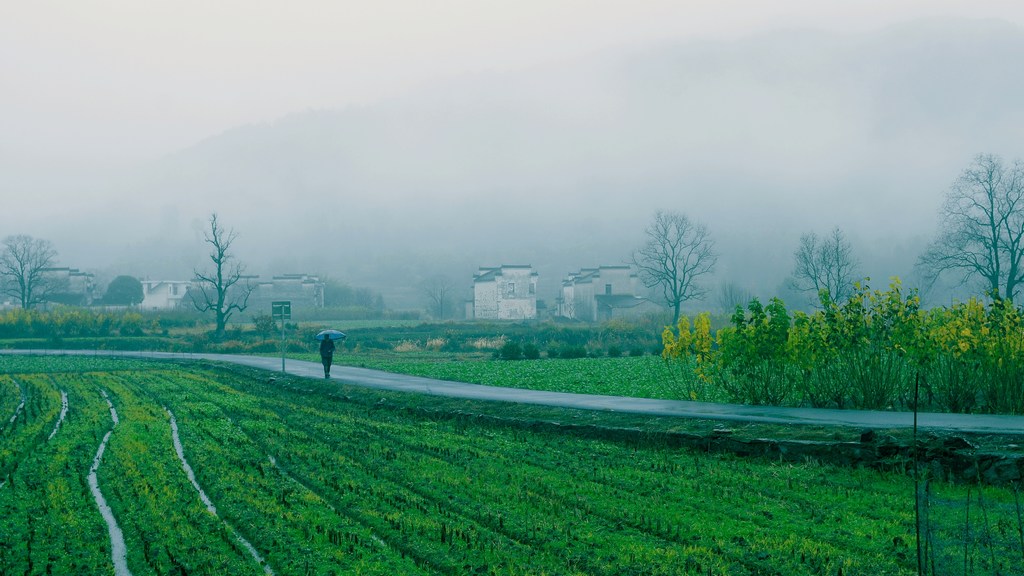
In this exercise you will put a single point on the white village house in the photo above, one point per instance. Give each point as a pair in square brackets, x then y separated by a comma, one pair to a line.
[70, 286]
[603, 293]
[163, 294]
[302, 290]
[505, 293]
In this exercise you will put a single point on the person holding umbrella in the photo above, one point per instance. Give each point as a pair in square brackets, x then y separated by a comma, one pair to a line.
[327, 347]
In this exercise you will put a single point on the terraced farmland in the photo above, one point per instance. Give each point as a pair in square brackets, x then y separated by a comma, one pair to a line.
[209, 470]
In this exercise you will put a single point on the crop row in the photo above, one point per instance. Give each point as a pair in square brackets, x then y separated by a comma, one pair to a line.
[822, 517]
[643, 497]
[30, 423]
[291, 526]
[55, 520]
[165, 524]
[640, 377]
[430, 483]
[51, 520]
[399, 509]
[12, 400]
[323, 483]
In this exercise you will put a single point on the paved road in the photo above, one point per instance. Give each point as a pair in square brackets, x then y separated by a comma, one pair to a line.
[980, 423]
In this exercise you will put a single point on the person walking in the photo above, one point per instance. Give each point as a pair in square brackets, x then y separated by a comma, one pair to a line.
[327, 355]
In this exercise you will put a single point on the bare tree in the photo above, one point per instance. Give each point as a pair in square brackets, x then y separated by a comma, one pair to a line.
[219, 289]
[438, 292]
[731, 295]
[824, 264]
[23, 264]
[981, 232]
[676, 254]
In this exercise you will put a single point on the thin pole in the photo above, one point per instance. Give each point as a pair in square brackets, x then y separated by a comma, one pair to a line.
[282, 343]
[967, 527]
[1020, 523]
[917, 476]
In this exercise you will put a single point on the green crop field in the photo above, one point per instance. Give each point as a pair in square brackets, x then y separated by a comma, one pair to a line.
[304, 477]
[639, 377]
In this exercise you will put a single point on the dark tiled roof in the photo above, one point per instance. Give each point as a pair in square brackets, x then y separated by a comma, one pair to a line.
[587, 275]
[487, 274]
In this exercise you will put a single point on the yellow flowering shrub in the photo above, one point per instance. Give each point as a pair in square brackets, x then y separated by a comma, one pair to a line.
[866, 352]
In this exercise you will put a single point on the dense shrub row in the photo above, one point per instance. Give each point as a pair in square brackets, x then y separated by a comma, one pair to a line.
[868, 352]
[67, 322]
[73, 321]
[556, 339]
[81, 328]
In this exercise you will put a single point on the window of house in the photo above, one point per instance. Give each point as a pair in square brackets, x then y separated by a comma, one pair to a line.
[511, 288]
[174, 289]
[533, 288]
[607, 288]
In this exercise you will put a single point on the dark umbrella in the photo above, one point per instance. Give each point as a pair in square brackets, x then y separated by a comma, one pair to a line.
[332, 334]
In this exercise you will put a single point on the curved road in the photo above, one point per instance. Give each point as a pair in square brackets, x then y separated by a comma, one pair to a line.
[979, 423]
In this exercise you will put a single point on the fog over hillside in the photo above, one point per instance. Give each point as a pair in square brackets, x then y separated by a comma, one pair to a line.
[562, 166]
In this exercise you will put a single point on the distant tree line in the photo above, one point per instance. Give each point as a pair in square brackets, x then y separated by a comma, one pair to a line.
[980, 242]
[338, 294]
[221, 289]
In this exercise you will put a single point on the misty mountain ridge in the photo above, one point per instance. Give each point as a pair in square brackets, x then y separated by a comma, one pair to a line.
[562, 166]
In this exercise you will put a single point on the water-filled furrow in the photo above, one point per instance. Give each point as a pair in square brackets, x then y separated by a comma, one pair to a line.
[21, 406]
[63, 413]
[118, 549]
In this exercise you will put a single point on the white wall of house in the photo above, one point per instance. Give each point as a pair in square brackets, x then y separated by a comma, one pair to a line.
[163, 294]
[567, 303]
[584, 301]
[615, 280]
[71, 286]
[580, 289]
[485, 300]
[302, 290]
[505, 293]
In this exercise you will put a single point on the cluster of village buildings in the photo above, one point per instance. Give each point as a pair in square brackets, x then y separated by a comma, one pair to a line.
[506, 292]
[79, 289]
[592, 294]
[302, 290]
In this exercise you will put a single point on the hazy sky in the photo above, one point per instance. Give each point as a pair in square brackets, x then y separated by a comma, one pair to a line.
[122, 80]
[579, 115]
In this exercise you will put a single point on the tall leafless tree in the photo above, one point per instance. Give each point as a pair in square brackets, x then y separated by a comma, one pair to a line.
[824, 264]
[981, 232]
[676, 254]
[224, 289]
[23, 265]
[438, 292]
